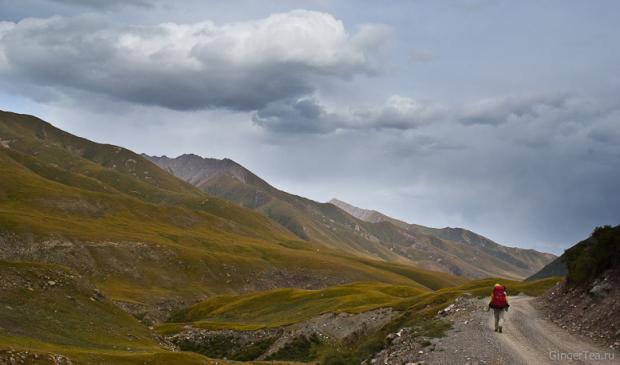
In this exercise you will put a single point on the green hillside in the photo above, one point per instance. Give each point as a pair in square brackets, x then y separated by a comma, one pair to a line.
[593, 256]
[48, 311]
[280, 307]
[584, 261]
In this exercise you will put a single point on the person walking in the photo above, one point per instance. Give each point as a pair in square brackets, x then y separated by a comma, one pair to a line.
[499, 304]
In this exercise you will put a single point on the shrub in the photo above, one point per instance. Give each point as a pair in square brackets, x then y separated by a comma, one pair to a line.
[591, 257]
[254, 350]
[340, 358]
[301, 348]
[221, 347]
[216, 346]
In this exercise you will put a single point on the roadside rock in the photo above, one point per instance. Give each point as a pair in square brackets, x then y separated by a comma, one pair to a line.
[601, 289]
[408, 345]
[587, 311]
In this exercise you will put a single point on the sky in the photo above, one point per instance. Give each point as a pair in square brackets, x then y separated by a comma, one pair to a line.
[498, 116]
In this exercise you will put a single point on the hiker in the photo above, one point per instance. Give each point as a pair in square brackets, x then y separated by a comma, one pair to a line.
[499, 303]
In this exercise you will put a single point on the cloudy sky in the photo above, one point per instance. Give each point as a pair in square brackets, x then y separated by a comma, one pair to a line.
[499, 116]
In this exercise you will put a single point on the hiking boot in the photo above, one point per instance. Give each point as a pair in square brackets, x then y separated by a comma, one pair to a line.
[500, 330]
[496, 330]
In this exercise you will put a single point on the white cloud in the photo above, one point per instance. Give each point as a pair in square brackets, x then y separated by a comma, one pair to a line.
[242, 65]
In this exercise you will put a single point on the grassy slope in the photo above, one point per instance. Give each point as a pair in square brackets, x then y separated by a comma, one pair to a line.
[285, 306]
[63, 319]
[141, 234]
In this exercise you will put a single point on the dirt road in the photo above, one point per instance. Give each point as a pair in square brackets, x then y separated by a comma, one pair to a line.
[528, 338]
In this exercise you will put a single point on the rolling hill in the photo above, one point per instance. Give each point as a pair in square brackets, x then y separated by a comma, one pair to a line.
[309, 325]
[360, 232]
[280, 307]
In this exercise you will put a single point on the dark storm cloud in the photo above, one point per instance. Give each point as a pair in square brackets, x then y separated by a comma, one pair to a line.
[310, 116]
[241, 66]
[544, 114]
[295, 116]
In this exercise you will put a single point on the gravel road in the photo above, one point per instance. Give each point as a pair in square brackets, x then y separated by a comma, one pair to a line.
[528, 338]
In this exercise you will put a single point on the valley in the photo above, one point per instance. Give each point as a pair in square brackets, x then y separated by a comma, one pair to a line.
[309, 182]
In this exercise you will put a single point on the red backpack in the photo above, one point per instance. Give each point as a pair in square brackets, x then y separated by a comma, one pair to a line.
[499, 297]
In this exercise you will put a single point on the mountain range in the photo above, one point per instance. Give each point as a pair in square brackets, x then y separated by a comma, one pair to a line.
[361, 232]
[149, 240]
